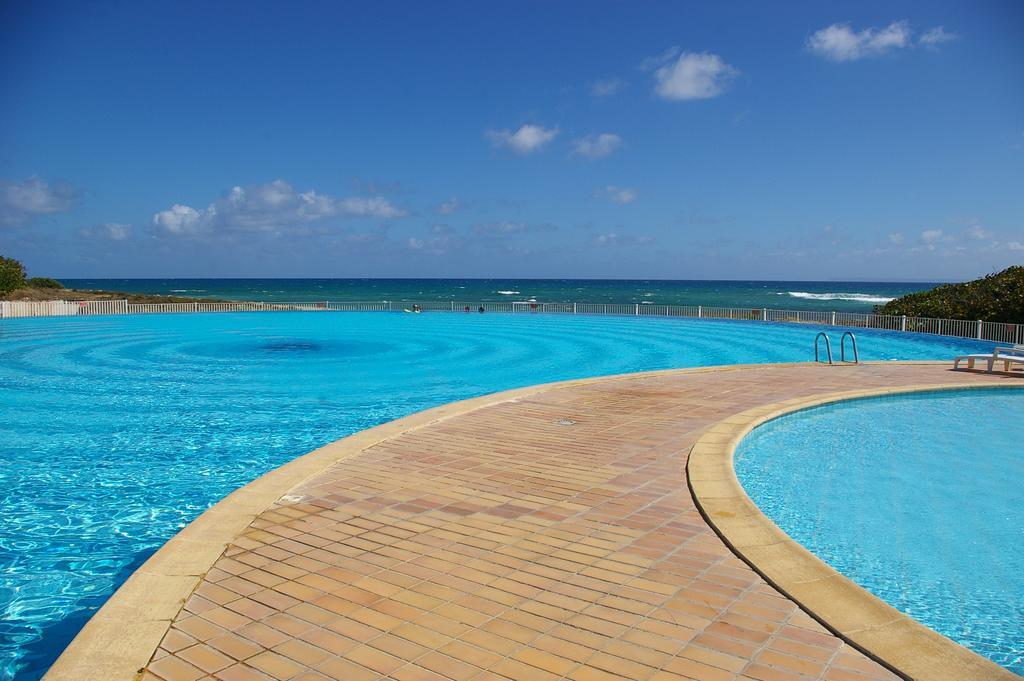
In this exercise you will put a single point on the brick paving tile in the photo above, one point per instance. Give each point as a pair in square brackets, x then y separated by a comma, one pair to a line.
[507, 544]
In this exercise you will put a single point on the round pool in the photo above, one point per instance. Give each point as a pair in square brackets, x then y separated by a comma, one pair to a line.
[918, 498]
[117, 431]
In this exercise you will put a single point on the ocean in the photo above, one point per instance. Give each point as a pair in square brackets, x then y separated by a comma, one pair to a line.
[789, 295]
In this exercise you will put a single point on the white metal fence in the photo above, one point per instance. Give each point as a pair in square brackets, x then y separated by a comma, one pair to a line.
[991, 331]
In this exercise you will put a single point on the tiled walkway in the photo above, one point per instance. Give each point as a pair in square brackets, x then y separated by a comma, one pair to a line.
[549, 537]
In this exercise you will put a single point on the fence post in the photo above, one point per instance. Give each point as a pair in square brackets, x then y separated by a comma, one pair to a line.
[764, 314]
[940, 327]
[453, 306]
[700, 311]
[637, 309]
[903, 327]
[574, 308]
[979, 329]
[833, 317]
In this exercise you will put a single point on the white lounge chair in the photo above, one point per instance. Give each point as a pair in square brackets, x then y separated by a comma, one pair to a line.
[1006, 355]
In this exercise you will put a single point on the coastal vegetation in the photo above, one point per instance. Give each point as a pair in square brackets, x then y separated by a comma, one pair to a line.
[12, 275]
[43, 282]
[14, 285]
[45, 293]
[998, 297]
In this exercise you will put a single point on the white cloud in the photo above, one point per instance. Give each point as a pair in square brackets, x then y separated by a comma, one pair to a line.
[1014, 246]
[693, 76]
[111, 231]
[614, 240]
[616, 194]
[441, 240]
[934, 237]
[178, 219]
[656, 61]
[376, 207]
[968, 235]
[977, 232]
[526, 140]
[21, 201]
[936, 36]
[450, 206]
[596, 146]
[606, 87]
[839, 42]
[271, 207]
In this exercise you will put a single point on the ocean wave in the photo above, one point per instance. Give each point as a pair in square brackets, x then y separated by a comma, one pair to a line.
[509, 293]
[859, 297]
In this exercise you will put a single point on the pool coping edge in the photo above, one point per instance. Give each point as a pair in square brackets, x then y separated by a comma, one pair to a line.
[869, 624]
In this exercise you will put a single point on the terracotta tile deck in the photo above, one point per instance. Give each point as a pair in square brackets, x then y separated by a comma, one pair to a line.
[550, 537]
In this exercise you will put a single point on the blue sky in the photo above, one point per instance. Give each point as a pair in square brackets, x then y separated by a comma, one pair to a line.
[744, 140]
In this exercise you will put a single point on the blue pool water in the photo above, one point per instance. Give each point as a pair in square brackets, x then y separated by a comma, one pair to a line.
[917, 498]
[117, 431]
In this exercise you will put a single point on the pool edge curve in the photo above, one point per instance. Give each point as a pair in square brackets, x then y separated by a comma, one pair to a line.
[852, 613]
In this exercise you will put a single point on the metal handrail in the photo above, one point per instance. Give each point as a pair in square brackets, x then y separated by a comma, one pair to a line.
[828, 347]
[842, 347]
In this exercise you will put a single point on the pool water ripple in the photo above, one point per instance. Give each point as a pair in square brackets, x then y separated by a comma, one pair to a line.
[115, 432]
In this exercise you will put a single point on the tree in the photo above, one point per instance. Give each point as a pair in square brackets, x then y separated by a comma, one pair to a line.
[12, 275]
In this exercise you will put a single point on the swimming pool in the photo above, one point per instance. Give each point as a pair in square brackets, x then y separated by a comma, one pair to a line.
[117, 431]
[915, 497]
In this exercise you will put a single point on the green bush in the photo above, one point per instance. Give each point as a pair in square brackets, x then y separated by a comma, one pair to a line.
[996, 298]
[12, 275]
[44, 282]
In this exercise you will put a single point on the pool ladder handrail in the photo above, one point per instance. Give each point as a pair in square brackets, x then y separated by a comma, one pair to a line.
[842, 348]
[828, 347]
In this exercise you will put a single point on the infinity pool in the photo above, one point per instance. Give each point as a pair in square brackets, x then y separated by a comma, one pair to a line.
[117, 431]
[917, 498]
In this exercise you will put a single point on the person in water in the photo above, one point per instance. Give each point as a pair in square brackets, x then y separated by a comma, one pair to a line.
[417, 308]
[481, 310]
[467, 308]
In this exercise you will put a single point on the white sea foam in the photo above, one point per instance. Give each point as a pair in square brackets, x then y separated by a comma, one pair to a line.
[859, 297]
[509, 293]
